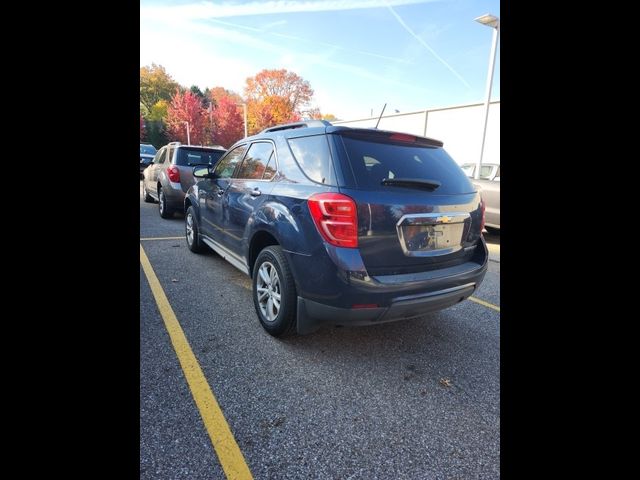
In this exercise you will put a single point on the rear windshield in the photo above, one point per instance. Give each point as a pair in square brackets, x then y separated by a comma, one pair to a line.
[374, 161]
[148, 149]
[193, 156]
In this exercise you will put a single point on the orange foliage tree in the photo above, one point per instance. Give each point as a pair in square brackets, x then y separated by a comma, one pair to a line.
[275, 96]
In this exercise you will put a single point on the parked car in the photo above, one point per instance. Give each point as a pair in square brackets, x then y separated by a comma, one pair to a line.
[489, 187]
[488, 171]
[339, 225]
[147, 152]
[170, 174]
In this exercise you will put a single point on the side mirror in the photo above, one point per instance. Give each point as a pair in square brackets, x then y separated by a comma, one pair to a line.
[202, 171]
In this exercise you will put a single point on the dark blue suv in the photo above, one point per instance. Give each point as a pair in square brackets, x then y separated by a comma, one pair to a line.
[338, 225]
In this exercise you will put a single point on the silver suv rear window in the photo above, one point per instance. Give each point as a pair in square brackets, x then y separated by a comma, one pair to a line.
[190, 157]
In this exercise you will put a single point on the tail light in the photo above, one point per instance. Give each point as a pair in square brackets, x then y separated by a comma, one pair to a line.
[336, 218]
[403, 137]
[174, 174]
[482, 208]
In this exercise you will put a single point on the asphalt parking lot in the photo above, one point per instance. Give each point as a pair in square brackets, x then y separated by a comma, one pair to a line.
[418, 399]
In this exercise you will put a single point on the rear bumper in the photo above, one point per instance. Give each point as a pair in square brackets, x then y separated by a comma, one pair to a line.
[398, 297]
[312, 315]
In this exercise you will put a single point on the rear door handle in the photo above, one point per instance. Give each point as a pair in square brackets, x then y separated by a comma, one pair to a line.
[255, 192]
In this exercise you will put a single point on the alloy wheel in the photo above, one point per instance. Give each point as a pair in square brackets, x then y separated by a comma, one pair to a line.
[268, 291]
[190, 228]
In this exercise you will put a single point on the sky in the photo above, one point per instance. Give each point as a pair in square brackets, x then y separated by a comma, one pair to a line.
[357, 55]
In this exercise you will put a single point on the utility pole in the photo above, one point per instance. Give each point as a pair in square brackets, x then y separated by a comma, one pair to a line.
[244, 110]
[188, 135]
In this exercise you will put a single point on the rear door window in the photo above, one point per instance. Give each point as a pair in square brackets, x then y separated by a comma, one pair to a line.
[255, 162]
[374, 161]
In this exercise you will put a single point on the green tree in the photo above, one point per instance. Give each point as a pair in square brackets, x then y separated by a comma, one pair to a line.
[155, 85]
[204, 100]
[155, 133]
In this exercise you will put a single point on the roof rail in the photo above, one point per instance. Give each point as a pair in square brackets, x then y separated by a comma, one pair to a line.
[174, 143]
[307, 124]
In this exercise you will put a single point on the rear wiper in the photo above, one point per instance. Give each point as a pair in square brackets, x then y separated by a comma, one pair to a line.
[430, 185]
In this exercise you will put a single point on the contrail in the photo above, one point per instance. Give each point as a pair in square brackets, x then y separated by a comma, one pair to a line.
[300, 39]
[422, 42]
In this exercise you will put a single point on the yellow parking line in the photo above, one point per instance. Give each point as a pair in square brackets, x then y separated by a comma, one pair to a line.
[163, 238]
[486, 304]
[231, 458]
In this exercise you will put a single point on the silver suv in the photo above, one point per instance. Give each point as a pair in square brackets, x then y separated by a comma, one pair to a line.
[170, 174]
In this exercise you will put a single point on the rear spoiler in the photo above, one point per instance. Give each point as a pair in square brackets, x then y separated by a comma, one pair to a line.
[384, 136]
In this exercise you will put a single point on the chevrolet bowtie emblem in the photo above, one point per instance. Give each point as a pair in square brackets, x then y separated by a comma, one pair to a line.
[444, 219]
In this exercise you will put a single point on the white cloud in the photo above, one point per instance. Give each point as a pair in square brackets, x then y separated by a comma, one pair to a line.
[202, 66]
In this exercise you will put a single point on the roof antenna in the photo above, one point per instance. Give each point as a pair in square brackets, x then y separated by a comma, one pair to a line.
[381, 113]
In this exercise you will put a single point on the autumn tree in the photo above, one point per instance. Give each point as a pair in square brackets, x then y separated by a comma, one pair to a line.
[142, 129]
[155, 85]
[186, 107]
[158, 111]
[216, 93]
[276, 96]
[228, 120]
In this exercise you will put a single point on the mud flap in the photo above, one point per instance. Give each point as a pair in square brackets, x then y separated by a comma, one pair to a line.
[305, 323]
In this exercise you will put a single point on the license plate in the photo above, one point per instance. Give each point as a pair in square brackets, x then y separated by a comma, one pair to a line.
[431, 234]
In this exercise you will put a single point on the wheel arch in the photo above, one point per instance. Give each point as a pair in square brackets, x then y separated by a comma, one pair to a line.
[260, 240]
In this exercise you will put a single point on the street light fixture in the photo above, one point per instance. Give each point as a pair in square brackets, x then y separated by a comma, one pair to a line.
[493, 22]
[188, 136]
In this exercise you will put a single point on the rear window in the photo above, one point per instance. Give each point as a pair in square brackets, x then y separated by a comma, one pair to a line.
[187, 157]
[147, 149]
[312, 154]
[372, 162]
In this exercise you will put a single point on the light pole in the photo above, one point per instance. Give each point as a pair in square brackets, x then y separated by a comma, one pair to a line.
[244, 109]
[493, 22]
[188, 136]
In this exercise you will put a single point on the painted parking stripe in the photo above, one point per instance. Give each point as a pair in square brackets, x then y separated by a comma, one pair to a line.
[231, 458]
[486, 304]
[162, 238]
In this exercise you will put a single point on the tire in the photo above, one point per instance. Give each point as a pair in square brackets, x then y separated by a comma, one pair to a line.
[277, 320]
[147, 198]
[163, 208]
[191, 227]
